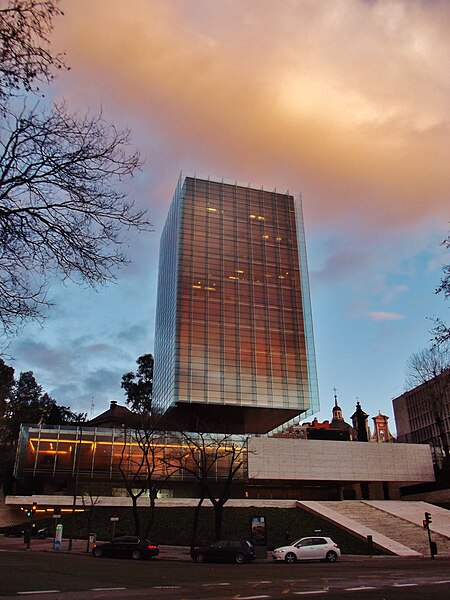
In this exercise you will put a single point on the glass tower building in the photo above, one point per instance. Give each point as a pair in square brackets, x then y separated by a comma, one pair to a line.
[234, 347]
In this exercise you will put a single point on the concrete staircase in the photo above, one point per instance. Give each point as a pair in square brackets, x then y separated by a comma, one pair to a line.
[384, 524]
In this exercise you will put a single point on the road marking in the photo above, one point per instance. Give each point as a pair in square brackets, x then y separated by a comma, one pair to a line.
[258, 582]
[214, 584]
[251, 597]
[359, 589]
[310, 592]
[166, 587]
[107, 589]
[443, 581]
[38, 592]
[404, 584]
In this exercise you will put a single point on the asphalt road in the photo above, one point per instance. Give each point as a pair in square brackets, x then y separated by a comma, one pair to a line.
[61, 576]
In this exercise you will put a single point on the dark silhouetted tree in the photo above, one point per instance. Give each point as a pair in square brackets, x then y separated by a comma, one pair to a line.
[63, 206]
[28, 403]
[215, 461]
[442, 330]
[139, 459]
[138, 386]
[6, 385]
[25, 54]
[24, 402]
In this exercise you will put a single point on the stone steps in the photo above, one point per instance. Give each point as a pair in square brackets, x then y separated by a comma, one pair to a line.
[402, 531]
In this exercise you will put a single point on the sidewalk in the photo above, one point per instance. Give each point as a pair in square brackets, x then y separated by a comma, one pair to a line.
[79, 547]
[180, 553]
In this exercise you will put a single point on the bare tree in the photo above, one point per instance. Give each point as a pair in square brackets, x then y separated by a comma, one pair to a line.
[150, 443]
[133, 476]
[428, 368]
[63, 206]
[25, 55]
[215, 461]
[441, 330]
[62, 211]
[139, 461]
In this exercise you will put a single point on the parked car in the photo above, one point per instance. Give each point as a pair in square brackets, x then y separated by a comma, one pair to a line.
[18, 530]
[308, 548]
[126, 546]
[12, 530]
[240, 551]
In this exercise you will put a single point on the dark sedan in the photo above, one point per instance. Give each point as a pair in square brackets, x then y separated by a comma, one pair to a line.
[126, 546]
[225, 551]
[19, 530]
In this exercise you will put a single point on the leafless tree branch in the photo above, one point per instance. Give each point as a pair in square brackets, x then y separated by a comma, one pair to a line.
[63, 211]
[25, 55]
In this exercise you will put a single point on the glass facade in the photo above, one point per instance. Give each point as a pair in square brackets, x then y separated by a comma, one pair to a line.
[233, 339]
[115, 454]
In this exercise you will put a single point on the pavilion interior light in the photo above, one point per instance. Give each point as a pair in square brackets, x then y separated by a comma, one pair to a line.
[61, 440]
[104, 443]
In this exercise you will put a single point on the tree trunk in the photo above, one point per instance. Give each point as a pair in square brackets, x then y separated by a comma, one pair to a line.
[218, 516]
[137, 521]
[196, 521]
[151, 517]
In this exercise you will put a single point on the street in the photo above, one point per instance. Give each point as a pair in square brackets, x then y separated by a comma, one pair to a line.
[62, 576]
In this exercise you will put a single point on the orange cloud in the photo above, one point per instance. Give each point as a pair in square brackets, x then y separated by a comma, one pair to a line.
[347, 101]
[385, 316]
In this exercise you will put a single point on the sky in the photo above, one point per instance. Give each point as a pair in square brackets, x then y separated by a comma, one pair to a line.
[345, 102]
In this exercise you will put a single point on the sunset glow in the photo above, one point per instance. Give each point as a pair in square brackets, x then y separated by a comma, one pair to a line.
[345, 102]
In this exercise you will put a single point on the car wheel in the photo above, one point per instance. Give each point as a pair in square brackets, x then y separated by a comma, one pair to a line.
[136, 554]
[290, 558]
[98, 552]
[331, 556]
[200, 557]
[240, 558]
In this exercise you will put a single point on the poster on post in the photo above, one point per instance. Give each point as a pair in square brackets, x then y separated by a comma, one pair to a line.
[57, 542]
[258, 532]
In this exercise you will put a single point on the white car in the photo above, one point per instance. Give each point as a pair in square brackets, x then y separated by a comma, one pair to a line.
[308, 548]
